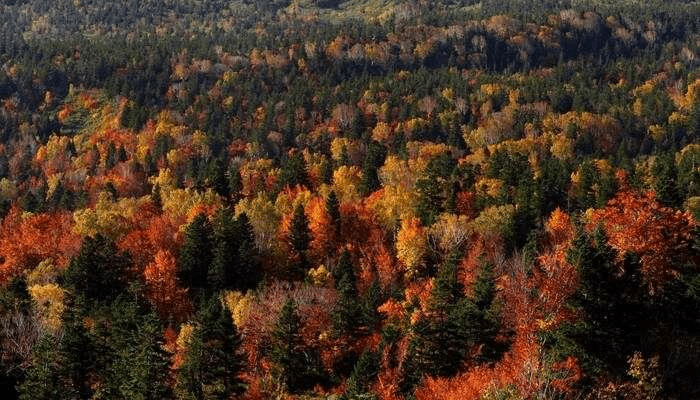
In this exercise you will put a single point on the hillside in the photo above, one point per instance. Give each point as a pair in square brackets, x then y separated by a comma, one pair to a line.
[363, 199]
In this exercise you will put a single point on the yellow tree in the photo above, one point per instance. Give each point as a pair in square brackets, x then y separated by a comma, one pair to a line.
[411, 246]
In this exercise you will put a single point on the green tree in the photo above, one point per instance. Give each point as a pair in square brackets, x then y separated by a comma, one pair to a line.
[45, 379]
[665, 178]
[138, 365]
[196, 253]
[299, 238]
[333, 210]
[347, 313]
[213, 360]
[288, 349]
[97, 274]
[363, 375]
[293, 172]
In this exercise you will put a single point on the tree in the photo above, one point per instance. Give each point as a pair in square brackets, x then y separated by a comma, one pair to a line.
[137, 364]
[288, 352]
[44, 380]
[163, 289]
[347, 312]
[213, 360]
[293, 172]
[363, 375]
[333, 211]
[97, 274]
[435, 188]
[196, 253]
[235, 262]
[665, 179]
[299, 238]
[411, 246]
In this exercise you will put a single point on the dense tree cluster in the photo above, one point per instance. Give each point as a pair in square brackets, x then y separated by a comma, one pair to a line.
[349, 199]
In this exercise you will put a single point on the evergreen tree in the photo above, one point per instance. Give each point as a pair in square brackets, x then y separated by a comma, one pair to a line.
[196, 253]
[346, 314]
[363, 375]
[665, 178]
[288, 352]
[78, 357]
[217, 179]
[376, 154]
[97, 274]
[213, 360]
[249, 271]
[333, 210]
[138, 365]
[293, 172]
[45, 377]
[299, 238]
[434, 188]
[235, 262]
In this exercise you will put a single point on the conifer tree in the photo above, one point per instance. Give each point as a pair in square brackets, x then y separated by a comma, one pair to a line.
[665, 179]
[196, 253]
[333, 210]
[137, 366]
[44, 380]
[363, 375]
[98, 272]
[293, 172]
[347, 312]
[288, 353]
[299, 238]
[213, 359]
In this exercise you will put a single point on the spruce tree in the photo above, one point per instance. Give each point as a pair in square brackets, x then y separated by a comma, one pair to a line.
[137, 366]
[333, 210]
[97, 274]
[213, 359]
[287, 353]
[196, 253]
[45, 379]
[363, 375]
[665, 179]
[299, 239]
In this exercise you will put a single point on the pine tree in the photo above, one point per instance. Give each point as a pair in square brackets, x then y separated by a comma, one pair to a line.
[196, 253]
[288, 353]
[249, 270]
[213, 360]
[333, 210]
[347, 313]
[137, 366]
[363, 375]
[97, 274]
[665, 178]
[299, 238]
[45, 378]
[293, 172]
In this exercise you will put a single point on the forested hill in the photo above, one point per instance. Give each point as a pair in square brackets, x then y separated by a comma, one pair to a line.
[364, 199]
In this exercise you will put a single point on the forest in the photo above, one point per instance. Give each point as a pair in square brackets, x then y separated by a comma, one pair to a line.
[361, 199]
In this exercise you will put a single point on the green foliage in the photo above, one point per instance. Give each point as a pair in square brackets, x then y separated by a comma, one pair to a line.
[97, 274]
[196, 253]
[333, 210]
[435, 188]
[293, 172]
[295, 365]
[347, 314]
[44, 379]
[299, 238]
[213, 360]
[363, 375]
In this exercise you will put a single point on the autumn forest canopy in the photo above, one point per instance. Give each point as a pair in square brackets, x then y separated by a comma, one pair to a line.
[362, 199]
